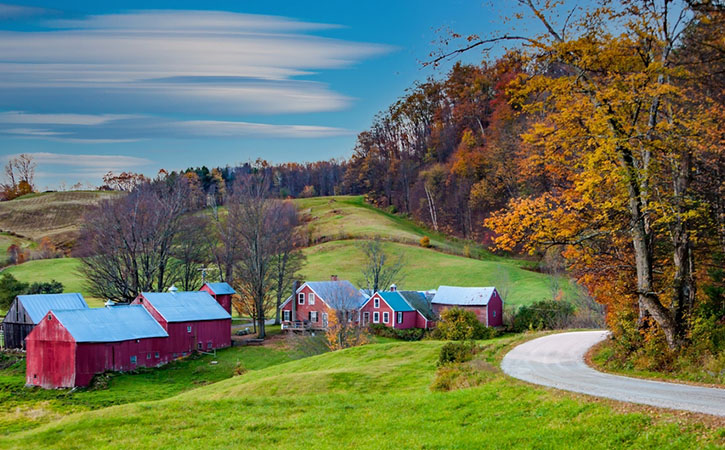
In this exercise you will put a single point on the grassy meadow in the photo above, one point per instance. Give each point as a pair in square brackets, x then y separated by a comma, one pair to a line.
[376, 396]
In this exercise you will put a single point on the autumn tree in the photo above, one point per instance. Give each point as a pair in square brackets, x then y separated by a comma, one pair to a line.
[288, 258]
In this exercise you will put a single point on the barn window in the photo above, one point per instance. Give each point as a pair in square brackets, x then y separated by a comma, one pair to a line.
[174, 355]
[209, 345]
[400, 317]
[286, 315]
[311, 298]
[312, 316]
[50, 317]
[133, 359]
[301, 298]
[188, 329]
[376, 303]
[200, 345]
[376, 317]
[386, 317]
[494, 313]
[148, 355]
[156, 355]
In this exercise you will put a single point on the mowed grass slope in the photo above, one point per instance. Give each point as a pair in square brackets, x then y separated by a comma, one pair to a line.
[377, 397]
[56, 215]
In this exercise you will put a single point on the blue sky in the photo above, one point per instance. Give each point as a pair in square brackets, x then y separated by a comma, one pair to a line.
[90, 86]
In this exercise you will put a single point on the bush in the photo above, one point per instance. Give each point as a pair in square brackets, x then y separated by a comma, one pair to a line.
[456, 352]
[425, 242]
[542, 315]
[410, 334]
[467, 251]
[458, 324]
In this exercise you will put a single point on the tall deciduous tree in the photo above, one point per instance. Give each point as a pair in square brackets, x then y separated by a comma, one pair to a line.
[380, 269]
[288, 258]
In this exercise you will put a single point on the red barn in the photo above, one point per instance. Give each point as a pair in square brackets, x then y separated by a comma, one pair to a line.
[312, 304]
[222, 293]
[68, 347]
[485, 302]
[391, 309]
[193, 320]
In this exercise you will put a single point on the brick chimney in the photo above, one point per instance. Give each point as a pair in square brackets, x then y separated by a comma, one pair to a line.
[333, 277]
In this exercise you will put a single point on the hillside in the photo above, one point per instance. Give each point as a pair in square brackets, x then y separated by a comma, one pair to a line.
[339, 223]
[55, 215]
[376, 396]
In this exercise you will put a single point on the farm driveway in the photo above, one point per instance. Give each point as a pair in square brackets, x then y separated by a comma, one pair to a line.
[558, 361]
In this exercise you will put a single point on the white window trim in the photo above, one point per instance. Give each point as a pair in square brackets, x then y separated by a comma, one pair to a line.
[301, 298]
[400, 316]
[310, 298]
[376, 317]
[376, 303]
[286, 315]
[314, 316]
[386, 317]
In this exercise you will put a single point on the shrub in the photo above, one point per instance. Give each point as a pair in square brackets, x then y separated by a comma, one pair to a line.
[467, 251]
[425, 242]
[542, 315]
[410, 334]
[457, 324]
[456, 352]
[239, 369]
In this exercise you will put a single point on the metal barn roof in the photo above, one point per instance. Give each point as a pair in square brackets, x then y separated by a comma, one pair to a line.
[114, 324]
[186, 306]
[337, 293]
[463, 296]
[396, 301]
[37, 305]
[419, 301]
[221, 288]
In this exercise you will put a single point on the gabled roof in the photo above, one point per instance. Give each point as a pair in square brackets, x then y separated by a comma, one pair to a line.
[186, 306]
[463, 296]
[221, 288]
[37, 305]
[396, 301]
[334, 293]
[114, 324]
[418, 300]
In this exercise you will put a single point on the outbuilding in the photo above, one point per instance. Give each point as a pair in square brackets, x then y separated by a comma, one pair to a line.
[485, 302]
[68, 347]
[391, 309]
[222, 293]
[27, 311]
[193, 320]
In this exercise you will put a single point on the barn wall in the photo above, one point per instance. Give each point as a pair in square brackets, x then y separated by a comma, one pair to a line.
[384, 307]
[17, 325]
[181, 341]
[151, 310]
[480, 311]
[409, 320]
[495, 310]
[50, 361]
[303, 311]
[225, 299]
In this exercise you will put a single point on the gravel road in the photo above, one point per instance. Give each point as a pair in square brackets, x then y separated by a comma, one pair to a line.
[558, 361]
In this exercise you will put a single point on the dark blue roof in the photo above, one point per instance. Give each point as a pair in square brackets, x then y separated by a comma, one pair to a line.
[38, 304]
[419, 301]
[114, 324]
[221, 288]
[395, 301]
[338, 294]
[186, 306]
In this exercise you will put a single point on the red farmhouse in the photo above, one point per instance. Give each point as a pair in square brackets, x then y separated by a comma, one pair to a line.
[68, 347]
[222, 293]
[392, 308]
[485, 302]
[193, 320]
[312, 304]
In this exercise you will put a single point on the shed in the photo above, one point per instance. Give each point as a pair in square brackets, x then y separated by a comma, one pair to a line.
[485, 302]
[222, 293]
[391, 309]
[68, 347]
[420, 301]
[194, 320]
[27, 311]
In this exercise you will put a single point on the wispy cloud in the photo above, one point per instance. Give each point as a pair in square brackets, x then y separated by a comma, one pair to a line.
[19, 12]
[201, 62]
[89, 128]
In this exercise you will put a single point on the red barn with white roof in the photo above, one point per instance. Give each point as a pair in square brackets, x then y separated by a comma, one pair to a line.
[485, 302]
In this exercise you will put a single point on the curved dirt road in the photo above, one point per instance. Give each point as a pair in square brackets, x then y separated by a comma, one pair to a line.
[558, 361]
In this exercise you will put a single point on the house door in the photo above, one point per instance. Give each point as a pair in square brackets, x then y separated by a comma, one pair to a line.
[324, 320]
[366, 318]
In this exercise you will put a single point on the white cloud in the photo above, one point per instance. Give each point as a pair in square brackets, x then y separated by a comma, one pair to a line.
[20, 117]
[203, 62]
[91, 162]
[16, 11]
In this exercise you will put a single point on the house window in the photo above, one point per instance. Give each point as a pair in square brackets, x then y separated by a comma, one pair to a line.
[400, 317]
[313, 316]
[133, 360]
[148, 355]
[366, 318]
[376, 317]
[188, 329]
[200, 345]
[156, 355]
[286, 315]
[386, 317]
[311, 298]
[301, 298]
[376, 303]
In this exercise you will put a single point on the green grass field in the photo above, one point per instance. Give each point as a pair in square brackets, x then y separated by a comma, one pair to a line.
[376, 396]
